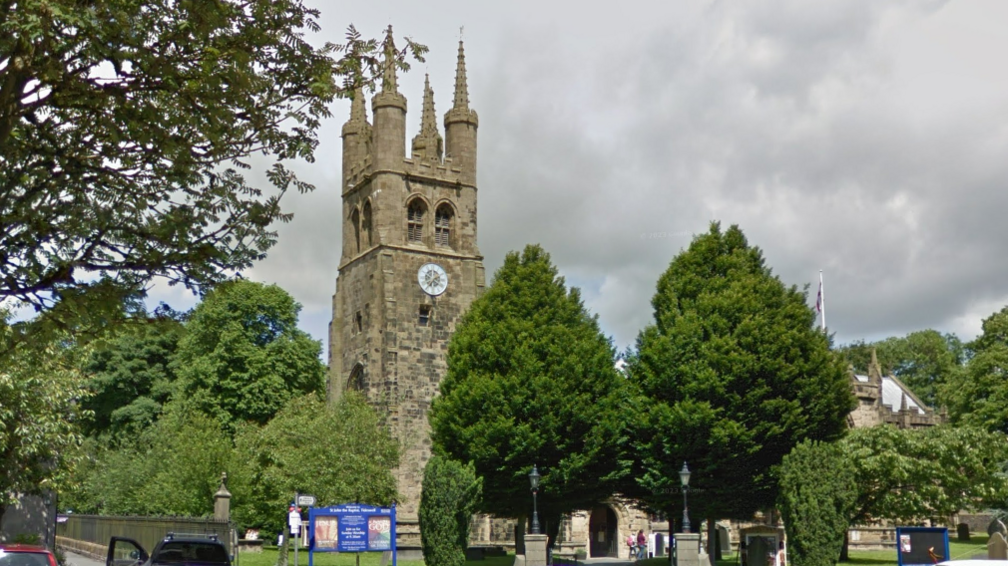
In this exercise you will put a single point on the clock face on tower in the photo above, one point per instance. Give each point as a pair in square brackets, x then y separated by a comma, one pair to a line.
[433, 279]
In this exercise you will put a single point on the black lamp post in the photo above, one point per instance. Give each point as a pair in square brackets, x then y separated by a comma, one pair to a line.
[684, 474]
[534, 480]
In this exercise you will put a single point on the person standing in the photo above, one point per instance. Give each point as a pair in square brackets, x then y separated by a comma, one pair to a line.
[641, 545]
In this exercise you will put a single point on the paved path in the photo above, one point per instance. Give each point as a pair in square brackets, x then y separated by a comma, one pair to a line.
[74, 559]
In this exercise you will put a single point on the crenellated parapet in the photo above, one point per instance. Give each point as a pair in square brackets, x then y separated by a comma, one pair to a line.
[444, 172]
[887, 400]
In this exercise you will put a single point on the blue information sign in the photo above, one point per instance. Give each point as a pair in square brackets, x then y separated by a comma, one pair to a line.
[921, 546]
[351, 528]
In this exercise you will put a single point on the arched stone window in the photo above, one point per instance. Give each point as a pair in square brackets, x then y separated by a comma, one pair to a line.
[355, 220]
[415, 221]
[356, 381]
[366, 225]
[443, 225]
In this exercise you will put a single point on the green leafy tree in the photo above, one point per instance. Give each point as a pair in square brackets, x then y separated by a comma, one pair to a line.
[172, 468]
[131, 378]
[735, 374]
[40, 386]
[979, 395]
[340, 453]
[448, 498]
[924, 360]
[243, 357]
[818, 491]
[909, 476]
[531, 380]
[125, 127]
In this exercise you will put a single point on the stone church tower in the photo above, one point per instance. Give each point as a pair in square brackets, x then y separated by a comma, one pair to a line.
[409, 266]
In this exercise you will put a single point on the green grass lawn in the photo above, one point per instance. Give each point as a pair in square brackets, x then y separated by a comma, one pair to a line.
[268, 557]
[958, 551]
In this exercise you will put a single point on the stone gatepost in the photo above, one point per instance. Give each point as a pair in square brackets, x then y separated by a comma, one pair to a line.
[535, 550]
[222, 501]
[688, 549]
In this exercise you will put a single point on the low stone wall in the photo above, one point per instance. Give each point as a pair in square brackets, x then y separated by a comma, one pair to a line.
[92, 550]
[872, 538]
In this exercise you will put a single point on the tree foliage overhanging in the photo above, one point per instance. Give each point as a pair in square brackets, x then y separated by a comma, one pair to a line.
[735, 374]
[126, 129]
[530, 381]
[40, 390]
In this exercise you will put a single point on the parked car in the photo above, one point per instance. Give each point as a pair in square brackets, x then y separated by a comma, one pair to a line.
[25, 555]
[175, 550]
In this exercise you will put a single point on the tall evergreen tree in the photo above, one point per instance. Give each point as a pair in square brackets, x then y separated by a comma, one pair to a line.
[450, 493]
[818, 491]
[735, 374]
[531, 381]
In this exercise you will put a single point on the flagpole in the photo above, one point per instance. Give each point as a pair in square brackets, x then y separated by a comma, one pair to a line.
[822, 299]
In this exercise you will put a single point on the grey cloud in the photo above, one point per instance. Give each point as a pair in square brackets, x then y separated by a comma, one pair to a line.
[611, 136]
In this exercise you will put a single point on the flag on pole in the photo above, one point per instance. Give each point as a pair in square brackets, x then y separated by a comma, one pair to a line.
[820, 303]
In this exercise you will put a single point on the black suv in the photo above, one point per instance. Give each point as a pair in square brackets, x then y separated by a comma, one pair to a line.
[189, 550]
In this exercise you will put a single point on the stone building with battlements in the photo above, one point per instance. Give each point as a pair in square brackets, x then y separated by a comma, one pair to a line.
[886, 400]
[409, 266]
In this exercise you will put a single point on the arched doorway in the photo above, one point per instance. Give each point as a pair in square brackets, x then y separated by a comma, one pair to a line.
[602, 530]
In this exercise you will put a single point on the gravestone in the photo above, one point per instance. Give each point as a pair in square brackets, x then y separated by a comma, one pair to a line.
[962, 532]
[997, 547]
[996, 526]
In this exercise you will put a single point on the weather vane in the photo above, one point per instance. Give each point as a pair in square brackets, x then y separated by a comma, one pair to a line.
[461, 32]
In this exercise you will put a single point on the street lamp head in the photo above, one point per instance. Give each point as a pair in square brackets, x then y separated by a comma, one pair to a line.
[534, 477]
[684, 475]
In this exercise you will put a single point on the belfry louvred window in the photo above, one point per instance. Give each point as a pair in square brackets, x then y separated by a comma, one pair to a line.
[414, 221]
[442, 225]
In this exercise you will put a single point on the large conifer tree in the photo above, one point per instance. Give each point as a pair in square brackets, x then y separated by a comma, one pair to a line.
[531, 380]
[736, 374]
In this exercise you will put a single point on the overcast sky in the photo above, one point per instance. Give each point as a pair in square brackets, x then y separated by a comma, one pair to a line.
[865, 138]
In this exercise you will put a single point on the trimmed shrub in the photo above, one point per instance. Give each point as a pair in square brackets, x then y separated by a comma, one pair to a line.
[448, 497]
[817, 496]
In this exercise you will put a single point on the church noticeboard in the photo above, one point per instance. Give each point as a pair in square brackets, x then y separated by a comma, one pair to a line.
[921, 546]
[351, 528]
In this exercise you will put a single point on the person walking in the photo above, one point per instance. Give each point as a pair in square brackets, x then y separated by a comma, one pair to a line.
[641, 545]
